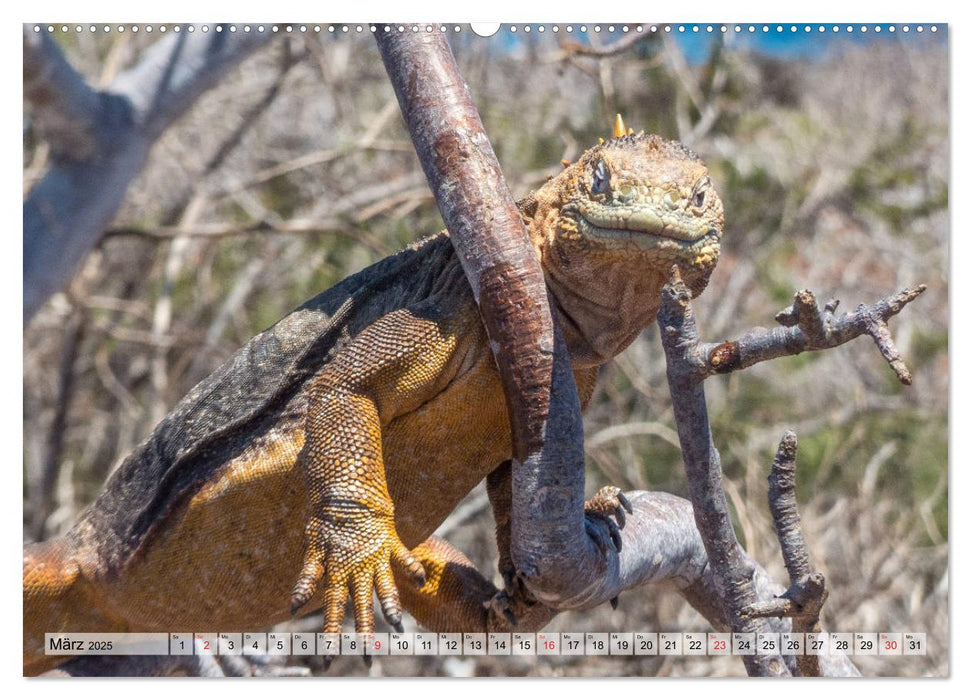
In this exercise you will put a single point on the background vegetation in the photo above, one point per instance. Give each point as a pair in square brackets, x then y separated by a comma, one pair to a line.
[297, 170]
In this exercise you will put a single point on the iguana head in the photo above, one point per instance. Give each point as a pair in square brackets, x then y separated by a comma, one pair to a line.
[610, 226]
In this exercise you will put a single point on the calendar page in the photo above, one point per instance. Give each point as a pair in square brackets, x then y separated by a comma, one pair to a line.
[548, 349]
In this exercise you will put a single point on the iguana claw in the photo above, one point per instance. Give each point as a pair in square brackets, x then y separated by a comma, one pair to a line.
[624, 501]
[595, 524]
[503, 607]
[507, 607]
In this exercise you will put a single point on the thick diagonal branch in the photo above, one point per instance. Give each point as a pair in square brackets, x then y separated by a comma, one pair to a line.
[100, 140]
[551, 549]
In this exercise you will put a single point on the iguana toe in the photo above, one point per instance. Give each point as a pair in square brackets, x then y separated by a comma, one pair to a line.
[354, 554]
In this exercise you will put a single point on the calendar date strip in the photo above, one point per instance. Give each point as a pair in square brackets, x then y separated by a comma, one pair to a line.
[493, 644]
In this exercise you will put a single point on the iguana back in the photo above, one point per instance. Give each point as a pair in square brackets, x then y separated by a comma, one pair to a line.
[244, 396]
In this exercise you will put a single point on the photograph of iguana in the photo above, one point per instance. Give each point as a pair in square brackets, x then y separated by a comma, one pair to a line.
[555, 329]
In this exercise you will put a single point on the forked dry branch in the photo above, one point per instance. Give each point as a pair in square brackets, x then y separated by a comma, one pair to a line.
[689, 363]
[804, 599]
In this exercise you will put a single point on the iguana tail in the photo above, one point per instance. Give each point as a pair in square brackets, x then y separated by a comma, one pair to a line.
[57, 599]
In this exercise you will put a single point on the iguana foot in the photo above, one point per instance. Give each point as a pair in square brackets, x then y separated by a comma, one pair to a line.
[352, 548]
[509, 606]
[605, 517]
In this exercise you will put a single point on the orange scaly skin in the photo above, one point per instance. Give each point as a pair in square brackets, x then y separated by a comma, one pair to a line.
[315, 465]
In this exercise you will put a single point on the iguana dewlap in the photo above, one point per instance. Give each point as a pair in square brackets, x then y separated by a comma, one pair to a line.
[314, 466]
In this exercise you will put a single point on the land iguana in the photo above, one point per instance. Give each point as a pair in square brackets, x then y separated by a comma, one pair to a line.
[315, 465]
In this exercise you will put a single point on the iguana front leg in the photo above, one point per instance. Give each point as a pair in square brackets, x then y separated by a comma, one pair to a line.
[604, 519]
[515, 600]
[352, 543]
[351, 537]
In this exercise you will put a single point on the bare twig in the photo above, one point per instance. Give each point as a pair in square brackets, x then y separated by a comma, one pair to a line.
[785, 514]
[575, 48]
[227, 230]
[606, 73]
[109, 380]
[309, 160]
[287, 61]
[807, 328]
[708, 106]
[126, 306]
[681, 70]
[139, 337]
[357, 207]
[229, 144]
[42, 499]
[617, 432]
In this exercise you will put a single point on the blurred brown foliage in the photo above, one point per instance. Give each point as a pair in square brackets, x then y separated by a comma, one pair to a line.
[296, 172]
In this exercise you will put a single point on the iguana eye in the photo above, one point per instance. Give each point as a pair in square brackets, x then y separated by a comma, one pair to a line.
[698, 198]
[601, 178]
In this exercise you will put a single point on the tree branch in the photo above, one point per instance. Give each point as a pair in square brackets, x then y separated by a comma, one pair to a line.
[575, 48]
[663, 548]
[100, 140]
[551, 549]
[804, 599]
[807, 328]
[67, 111]
[733, 571]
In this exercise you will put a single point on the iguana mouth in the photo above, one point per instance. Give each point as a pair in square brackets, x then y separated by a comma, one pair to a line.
[615, 222]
